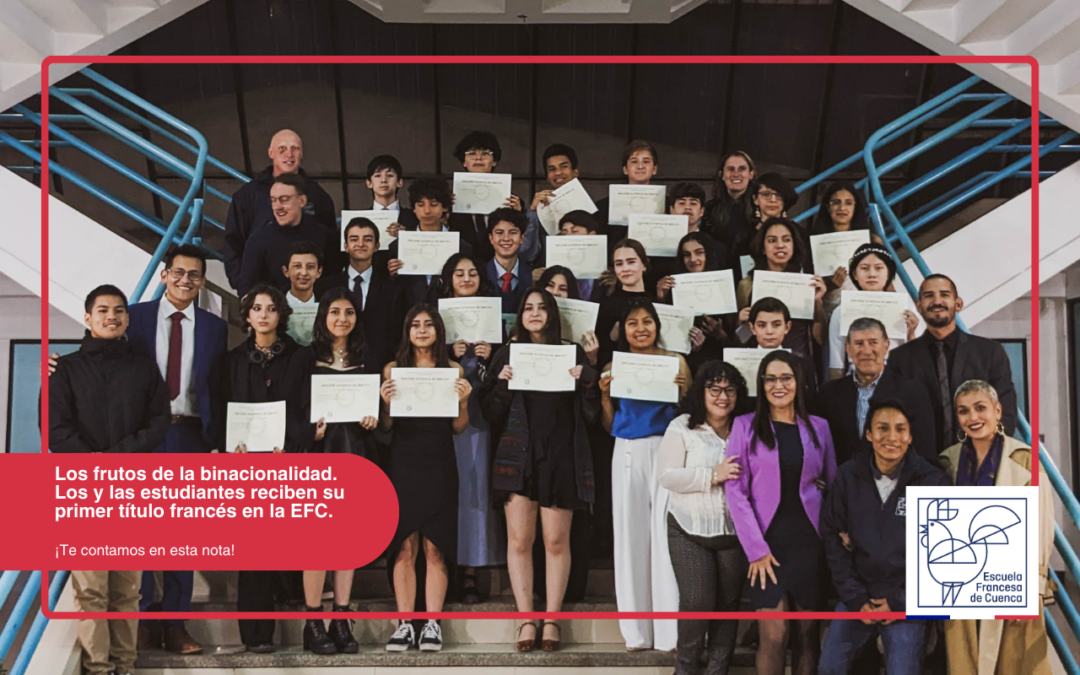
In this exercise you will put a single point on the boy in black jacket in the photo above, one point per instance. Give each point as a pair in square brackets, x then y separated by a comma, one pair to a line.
[863, 528]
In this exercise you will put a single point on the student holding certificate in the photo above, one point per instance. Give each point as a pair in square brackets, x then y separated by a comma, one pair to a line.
[708, 336]
[640, 163]
[480, 152]
[561, 283]
[423, 470]
[542, 461]
[627, 284]
[841, 209]
[688, 199]
[644, 579]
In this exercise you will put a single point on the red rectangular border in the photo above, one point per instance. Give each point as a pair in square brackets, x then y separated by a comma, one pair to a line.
[471, 60]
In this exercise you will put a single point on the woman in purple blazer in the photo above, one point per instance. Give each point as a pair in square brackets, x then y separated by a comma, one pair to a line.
[788, 463]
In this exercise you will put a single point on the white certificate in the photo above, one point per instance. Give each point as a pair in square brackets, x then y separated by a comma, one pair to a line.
[424, 392]
[658, 233]
[508, 321]
[473, 319]
[675, 325]
[302, 322]
[259, 426]
[542, 367]
[886, 307]
[645, 377]
[570, 196]
[626, 199]
[586, 256]
[480, 192]
[577, 318]
[834, 250]
[746, 263]
[792, 289]
[426, 252]
[705, 292]
[747, 361]
[344, 398]
[382, 219]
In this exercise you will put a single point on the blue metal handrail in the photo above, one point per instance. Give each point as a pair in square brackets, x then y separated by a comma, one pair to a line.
[37, 628]
[18, 614]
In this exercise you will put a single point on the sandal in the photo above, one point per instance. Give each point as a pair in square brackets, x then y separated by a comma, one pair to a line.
[470, 592]
[525, 645]
[552, 645]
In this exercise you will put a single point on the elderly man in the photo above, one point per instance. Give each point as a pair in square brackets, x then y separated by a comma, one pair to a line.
[251, 207]
[863, 528]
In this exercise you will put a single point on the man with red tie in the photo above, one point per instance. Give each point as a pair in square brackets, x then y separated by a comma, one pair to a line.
[506, 231]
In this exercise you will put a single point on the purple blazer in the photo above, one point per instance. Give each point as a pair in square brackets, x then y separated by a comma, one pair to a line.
[754, 496]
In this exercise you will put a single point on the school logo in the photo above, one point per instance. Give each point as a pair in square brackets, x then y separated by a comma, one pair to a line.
[972, 552]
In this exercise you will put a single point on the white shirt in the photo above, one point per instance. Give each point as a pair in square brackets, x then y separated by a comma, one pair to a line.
[185, 403]
[365, 286]
[301, 325]
[396, 206]
[685, 465]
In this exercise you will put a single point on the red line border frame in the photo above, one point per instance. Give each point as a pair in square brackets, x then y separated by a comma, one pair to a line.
[511, 60]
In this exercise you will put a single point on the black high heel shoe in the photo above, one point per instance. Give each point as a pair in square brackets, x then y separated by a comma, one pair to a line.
[341, 633]
[315, 638]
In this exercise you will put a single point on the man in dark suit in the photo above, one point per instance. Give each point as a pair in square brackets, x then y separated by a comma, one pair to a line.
[844, 402]
[512, 275]
[944, 357]
[478, 152]
[382, 306]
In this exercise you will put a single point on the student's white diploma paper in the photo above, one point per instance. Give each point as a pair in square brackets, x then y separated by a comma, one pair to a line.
[570, 196]
[626, 199]
[746, 263]
[658, 233]
[675, 325]
[577, 317]
[645, 377]
[586, 256]
[344, 398]
[475, 319]
[794, 290]
[480, 192]
[382, 219]
[834, 249]
[424, 392]
[302, 322]
[259, 426]
[747, 361]
[705, 292]
[508, 321]
[426, 252]
[886, 307]
[542, 367]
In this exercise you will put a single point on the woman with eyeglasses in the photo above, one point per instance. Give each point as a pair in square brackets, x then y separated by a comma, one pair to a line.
[725, 214]
[709, 564]
[771, 196]
[786, 462]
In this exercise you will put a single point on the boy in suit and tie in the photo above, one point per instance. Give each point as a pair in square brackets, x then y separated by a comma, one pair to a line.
[506, 230]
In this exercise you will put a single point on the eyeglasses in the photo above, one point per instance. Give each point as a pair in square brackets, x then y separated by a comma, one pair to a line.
[194, 276]
[772, 380]
[479, 153]
[716, 391]
[282, 200]
[768, 195]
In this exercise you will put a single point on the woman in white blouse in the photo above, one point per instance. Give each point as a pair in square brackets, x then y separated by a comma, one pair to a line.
[709, 563]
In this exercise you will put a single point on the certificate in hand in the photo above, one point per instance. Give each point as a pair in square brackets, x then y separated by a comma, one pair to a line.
[746, 263]
[424, 392]
[586, 255]
[792, 289]
[644, 377]
[658, 233]
[570, 196]
[834, 250]
[382, 219]
[259, 426]
[747, 361]
[475, 319]
[480, 192]
[542, 367]
[508, 321]
[344, 398]
[626, 199]
[302, 322]
[577, 318]
[888, 308]
[675, 325]
[705, 292]
[426, 252]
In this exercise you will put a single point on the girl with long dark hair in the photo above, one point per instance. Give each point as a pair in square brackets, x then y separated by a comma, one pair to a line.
[561, 283]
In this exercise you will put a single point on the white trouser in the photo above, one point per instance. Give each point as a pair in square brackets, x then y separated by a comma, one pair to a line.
[644, 578]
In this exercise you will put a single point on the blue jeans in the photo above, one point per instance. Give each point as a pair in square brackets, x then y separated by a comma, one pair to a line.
[905, 645]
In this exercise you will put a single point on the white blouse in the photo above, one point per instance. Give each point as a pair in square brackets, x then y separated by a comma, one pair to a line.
[685, 466]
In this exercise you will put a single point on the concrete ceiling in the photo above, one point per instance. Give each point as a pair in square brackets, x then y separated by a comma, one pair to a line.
[528, 11]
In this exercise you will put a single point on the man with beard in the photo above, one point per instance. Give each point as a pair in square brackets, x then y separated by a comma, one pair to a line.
[944, 357]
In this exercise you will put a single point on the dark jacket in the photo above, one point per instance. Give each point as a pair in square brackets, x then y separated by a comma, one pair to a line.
[839, 399]
[875, 567]
[976, 358]
[382, 317]
[107, 398]
[267, 253]
[511, 300]
[473, 229]
[276, 379]
[211, 344]
[250, 209]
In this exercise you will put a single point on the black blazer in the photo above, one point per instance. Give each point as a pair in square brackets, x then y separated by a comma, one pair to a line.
[976, 358]
[839, 399]
[382, 316]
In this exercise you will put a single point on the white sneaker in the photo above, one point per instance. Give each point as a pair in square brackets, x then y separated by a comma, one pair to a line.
[431, 637]
[403, 638]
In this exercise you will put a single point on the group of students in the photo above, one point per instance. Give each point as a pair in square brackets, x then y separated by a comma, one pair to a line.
[793, 488]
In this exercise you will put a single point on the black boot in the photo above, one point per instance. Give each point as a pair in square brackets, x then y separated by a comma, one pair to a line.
[341, 633]
[315, 637]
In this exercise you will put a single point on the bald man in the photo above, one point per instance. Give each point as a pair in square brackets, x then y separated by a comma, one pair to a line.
[251, 206]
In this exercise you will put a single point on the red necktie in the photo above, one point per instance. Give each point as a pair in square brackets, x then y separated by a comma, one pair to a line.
[176, 346]
[507, 278]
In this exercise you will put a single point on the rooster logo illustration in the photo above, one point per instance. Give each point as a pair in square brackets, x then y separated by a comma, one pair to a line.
[953, 562]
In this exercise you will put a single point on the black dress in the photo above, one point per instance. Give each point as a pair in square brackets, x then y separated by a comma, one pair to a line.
[791, 536]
